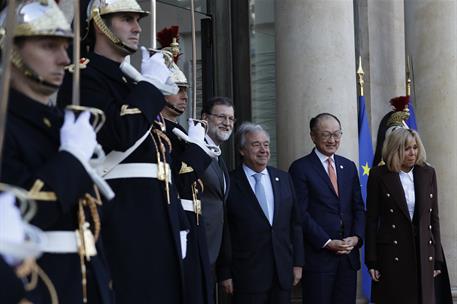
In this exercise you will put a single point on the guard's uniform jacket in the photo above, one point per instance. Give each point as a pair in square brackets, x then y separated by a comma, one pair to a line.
[12, 290]
[189, 162]
[56, 180]
[141, 227]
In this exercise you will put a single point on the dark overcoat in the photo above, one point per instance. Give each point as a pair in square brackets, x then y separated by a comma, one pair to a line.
[56, 180]
[404, 250]
[141, 229]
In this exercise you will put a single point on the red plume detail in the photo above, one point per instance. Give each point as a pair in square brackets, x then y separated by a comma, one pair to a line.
[399, 103]
[165, 36]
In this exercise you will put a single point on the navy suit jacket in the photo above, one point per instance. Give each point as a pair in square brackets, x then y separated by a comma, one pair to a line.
[258, 249]
[325, 214]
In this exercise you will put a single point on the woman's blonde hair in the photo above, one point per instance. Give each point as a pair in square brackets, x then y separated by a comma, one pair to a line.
[393, 150]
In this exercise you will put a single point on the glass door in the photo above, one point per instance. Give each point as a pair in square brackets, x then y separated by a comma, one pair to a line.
[177, 12]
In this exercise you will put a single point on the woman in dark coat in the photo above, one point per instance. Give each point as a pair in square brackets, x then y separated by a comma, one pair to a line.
[403, 248]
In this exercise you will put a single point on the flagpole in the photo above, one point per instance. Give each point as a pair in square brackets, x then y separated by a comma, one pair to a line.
[408, 76]
[76, 54]
[6, 69]
[194, 61]
[153, 24]
[360, 75]
[365, 159]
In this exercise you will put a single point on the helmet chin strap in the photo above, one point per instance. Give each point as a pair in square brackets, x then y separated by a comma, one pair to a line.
[173, 108]
[17, 61]
[118, 43]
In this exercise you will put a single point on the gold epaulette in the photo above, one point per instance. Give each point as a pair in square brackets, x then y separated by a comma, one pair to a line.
[125, 110]
[35, 192]
[185, 168]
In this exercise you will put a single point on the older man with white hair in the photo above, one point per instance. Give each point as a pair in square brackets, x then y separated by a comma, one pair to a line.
[265, 229]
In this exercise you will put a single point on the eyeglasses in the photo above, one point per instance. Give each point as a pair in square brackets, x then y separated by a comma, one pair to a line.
[327, 135]
[222, 117]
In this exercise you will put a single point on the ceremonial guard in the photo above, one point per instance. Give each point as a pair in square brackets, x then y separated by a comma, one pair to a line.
[189, 162]
[145, 235]
[48, 154]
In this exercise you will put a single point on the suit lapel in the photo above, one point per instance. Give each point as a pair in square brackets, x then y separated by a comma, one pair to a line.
[393, 183]
[245, 187]
[321, 172]
[225, 176]
[216, 172]
[274, 179]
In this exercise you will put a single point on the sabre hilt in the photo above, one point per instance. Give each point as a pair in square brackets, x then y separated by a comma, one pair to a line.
[97, 117]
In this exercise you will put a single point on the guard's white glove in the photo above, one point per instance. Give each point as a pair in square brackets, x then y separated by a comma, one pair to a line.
[154, 67]
[196, 135]
[11, 227]
[77, 136]
[196, 130]
[153, 70]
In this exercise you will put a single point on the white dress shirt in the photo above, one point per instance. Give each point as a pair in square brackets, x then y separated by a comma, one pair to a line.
[266, 183]
[407, 181]
[323, 158]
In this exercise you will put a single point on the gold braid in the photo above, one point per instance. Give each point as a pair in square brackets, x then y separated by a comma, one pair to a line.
[81, 251]
[30, 268]
[162, 169]
[92, 203]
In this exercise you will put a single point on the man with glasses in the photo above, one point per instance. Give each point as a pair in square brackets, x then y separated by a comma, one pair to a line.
[219, 114]
[328, 193]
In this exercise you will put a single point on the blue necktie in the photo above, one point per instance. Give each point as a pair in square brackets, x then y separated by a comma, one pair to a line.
[260, 194]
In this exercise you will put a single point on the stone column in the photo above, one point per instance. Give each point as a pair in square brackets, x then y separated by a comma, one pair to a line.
[431, 32]
[315, 72]
[386, 49]
[315, 62]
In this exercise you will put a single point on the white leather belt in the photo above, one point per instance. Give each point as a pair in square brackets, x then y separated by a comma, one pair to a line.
[136, 170]
[61, 242]
[187, 205]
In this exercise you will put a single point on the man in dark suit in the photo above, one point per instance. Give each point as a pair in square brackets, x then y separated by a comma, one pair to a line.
[219, 114]
[328, 192]
[265, 231]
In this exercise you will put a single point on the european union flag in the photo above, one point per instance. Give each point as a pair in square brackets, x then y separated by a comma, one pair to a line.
[365, 159]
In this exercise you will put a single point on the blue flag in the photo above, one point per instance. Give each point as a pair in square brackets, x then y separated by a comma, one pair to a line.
[411, 122]
[365, 159]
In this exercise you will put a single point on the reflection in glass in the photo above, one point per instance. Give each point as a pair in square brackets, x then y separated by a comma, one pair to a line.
[200, 5]
[262, 49]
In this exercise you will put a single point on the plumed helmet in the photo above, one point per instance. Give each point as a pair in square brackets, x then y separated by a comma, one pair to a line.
[178, 76]
[39, 18]
[169, 41]
[394, 119]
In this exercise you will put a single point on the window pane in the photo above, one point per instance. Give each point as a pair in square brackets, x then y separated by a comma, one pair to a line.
[263, 85]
